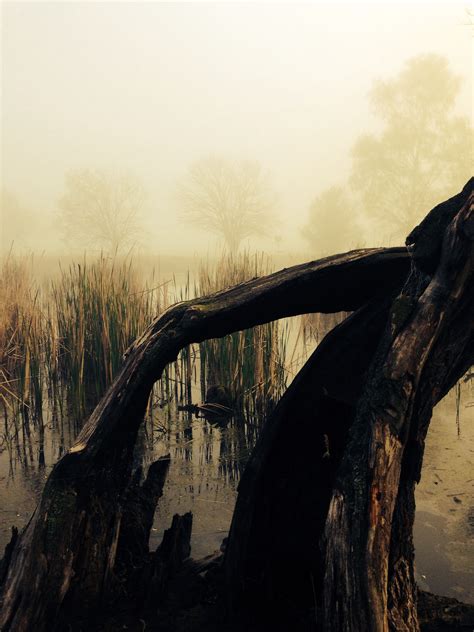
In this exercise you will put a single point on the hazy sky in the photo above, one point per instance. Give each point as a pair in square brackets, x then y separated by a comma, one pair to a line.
[150, 87]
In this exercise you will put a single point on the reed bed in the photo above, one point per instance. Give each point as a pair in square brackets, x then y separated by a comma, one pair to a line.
[65, 341]
[250, 364]
[21, 355]
[99, 309]
[62, 343]
[20, 336]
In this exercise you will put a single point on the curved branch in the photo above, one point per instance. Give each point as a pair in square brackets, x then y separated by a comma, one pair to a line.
[68, 549]
[339, 283]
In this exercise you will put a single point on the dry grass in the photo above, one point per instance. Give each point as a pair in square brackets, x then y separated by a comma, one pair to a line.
[62, 343]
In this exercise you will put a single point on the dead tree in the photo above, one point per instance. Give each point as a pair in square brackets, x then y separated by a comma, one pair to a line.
[327, 526]
[366, 429]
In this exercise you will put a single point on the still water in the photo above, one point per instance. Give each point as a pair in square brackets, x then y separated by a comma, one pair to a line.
[207, 462]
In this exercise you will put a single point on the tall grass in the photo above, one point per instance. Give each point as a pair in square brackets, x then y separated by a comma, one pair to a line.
[99, 309]
[68, 337]
[21, 352]
[20, 334]
[62, 343]
[250, 363]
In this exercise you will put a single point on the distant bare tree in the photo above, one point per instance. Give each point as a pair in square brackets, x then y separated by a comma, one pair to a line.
[230, 199]
[101, 210]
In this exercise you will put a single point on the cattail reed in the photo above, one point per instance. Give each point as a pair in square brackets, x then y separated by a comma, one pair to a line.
[250, 363]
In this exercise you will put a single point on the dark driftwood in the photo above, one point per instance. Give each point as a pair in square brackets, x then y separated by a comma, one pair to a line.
[139, 506]
[332, 550]
[167, 562]
[68, 550]
[273, 563]
[358, 528]
[363, 453]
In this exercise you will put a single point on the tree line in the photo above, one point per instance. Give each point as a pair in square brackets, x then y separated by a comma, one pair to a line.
[421, 153]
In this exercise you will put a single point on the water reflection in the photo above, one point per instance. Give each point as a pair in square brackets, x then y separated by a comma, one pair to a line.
[444, 538]
[207, 461]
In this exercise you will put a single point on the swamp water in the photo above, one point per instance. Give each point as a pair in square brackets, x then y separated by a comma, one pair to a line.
[206, 464]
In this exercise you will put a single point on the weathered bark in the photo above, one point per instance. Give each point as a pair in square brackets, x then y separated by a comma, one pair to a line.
[68, 549]
[359, 522]
[167, 561]
[139, 507]
[5, 562]
[364, 399]
[273, 563]
[451, 357]
[277, 563]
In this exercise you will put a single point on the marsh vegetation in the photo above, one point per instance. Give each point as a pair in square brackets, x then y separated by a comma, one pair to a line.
[64, 333]
[155, 153]
[64, 339]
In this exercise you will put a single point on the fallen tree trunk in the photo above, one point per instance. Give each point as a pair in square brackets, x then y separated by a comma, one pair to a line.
[273, 564]
[359, 523]
[339, 555]
[367, 450]
[68, 550]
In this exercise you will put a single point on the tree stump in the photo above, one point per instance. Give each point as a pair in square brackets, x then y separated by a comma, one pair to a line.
[323, 532]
